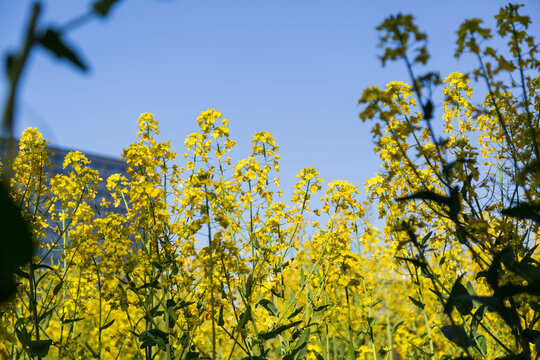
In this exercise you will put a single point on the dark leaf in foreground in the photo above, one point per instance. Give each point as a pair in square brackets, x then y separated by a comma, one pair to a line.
[427, 195]
[39, 348]
[275, 332]
[524, 211]
[102, 7]
[15, 244]
[53, 42]
[459, 299]
[456, 334]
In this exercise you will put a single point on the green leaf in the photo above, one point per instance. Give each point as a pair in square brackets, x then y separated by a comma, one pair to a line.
[457, 335]
[470, 288]
[300, 349]
[23, 336]
[269, 306]
[94, 353]
[396, 326]
[424, 352]
[458, 298]
[173, 317]
[45, 314]
[154, 337]
[67, 321]
[192, 355]
[249, 286]
[102, 7]
[528, 271]
[246, 316]
[106, 325]
[427, 195]
[477, 317]
[22, 273]
[15, 242]
[57, 288]
[480, 345]
[279, 268]
[320, 308]
[39, 348]
[524, 211]
[154, 284]
[418, 303]
[295, 312]
[184, 304]
[275, 332]
[492, 303]
[53, 42]
[220, 322]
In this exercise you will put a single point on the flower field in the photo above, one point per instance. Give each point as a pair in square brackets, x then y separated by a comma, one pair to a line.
[199, 256]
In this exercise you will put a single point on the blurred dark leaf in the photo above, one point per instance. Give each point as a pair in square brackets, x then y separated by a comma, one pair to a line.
[11, 65]
[295, 312]
[45, 314]
[519, 356]
[221, 321]
[269, 306]
[418, 303]
[39, 348]
[428, 110]
[183, 304]
[524, 211]
[23, 336]
[92, 351]
[106, 325]
[67, 321]
[53, 42]
[531, 335]
[102, 7]
[456, 334]
[458, 299]
[320, 308]
[15, 242]
[154, 337]
[492, 303]
[427, 195]
[275, 332]
[192, 355]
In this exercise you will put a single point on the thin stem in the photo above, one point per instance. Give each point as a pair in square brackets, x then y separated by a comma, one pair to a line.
[211, 251]
[15, 73]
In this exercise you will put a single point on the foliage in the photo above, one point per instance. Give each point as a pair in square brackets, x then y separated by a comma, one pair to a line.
[208, 260]
[15, 238]
[473, 195]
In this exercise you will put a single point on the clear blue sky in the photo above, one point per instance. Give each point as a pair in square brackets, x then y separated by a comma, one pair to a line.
[295, 68]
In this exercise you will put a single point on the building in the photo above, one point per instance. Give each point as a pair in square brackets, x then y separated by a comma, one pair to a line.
[106, 166]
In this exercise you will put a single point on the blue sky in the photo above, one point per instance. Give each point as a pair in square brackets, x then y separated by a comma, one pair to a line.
[293, 68]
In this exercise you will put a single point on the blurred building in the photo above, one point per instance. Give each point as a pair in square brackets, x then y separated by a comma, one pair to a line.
[105, 165]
